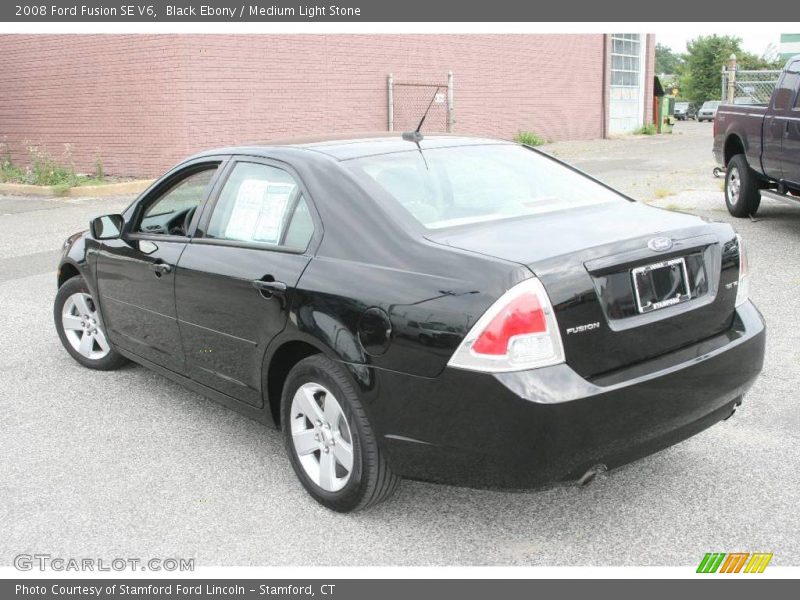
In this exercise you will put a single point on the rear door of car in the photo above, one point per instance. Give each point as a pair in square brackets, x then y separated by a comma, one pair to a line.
[779, 124]
[235, 279]
[136, 273]
[790, 151]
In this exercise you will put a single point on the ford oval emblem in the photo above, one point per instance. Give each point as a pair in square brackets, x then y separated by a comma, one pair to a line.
[660, 244]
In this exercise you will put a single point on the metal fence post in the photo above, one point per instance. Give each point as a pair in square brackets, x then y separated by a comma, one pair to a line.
[722, 92]
[731, 91]
[451, 111]
[391, 102]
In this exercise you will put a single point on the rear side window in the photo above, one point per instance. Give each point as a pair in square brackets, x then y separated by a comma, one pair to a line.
[785, 92]
[262, 204]
[795, 67]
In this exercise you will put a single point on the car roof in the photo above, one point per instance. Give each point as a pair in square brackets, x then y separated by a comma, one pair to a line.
[349, 147]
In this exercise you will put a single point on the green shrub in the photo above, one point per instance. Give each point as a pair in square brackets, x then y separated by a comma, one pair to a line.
[649, 129]
[529, 138]
[46, 170]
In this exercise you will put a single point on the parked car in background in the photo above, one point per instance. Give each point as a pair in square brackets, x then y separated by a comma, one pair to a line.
[759, 144]
[683, 111]
[708, 111]
[450, 309]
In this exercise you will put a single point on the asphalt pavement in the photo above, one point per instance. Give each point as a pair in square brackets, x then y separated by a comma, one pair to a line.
[127, 463]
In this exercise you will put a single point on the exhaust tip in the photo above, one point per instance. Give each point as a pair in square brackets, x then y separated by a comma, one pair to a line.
[736, 405]
[592, 474]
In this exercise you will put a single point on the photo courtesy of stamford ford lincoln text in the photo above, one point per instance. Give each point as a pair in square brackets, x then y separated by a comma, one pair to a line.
[300, 299]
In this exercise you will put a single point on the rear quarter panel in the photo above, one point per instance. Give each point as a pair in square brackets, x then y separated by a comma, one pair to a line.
[742, 123]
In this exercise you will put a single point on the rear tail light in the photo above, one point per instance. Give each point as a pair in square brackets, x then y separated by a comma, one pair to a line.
[743, 288]
[518, 332]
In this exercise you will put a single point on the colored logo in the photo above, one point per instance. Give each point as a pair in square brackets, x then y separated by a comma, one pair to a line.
[734, 562]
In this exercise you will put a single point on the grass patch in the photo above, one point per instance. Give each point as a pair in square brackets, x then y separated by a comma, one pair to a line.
[529, 138]
[649, 129]
[46, 170]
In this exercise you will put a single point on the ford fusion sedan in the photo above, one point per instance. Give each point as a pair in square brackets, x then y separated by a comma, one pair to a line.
[449, 309]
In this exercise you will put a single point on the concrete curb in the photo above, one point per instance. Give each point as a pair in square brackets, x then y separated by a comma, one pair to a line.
[83, 191]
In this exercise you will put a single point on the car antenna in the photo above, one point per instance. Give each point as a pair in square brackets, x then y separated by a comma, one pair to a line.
[416, 135]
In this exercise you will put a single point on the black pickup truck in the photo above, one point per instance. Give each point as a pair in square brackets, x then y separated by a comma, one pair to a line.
[759, 145]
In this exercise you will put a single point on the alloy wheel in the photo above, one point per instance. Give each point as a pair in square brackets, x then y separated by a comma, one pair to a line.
[734, 185]
[83, 328]
[321, 437]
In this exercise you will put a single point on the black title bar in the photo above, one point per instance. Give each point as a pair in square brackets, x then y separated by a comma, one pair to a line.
[390, 589]
[237, 11]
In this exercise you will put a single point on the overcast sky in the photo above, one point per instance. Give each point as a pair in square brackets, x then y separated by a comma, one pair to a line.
[752, 42]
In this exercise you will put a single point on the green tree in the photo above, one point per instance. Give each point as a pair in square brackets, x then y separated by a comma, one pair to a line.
[667, 61]
[701, 73]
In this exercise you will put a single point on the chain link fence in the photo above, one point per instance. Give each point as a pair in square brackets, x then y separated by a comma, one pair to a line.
[408, 101]
[748, 87]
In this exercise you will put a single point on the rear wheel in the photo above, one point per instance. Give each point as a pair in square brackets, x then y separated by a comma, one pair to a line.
[742, 195]
[81, 329]
[331, 445]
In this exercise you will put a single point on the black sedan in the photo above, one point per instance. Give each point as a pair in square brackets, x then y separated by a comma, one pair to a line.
[448, 309]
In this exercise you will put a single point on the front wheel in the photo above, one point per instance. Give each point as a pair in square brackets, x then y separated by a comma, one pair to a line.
[331, 444]
[81, 329]
[742, 195]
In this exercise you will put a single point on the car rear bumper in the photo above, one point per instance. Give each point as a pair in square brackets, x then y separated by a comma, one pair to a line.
[534, 428]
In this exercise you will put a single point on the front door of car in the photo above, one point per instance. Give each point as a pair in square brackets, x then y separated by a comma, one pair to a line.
[235, 279]
[136, 272]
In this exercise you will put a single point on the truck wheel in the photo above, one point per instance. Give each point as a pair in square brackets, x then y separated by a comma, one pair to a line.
[741, 188]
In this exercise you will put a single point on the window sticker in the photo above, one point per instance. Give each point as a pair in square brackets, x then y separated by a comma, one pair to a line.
[258, 211]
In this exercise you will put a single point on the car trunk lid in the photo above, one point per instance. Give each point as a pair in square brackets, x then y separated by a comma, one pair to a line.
[589, 260]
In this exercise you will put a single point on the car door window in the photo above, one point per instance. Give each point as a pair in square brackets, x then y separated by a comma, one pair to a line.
[785, 92]
[171, 212]
[262, 204]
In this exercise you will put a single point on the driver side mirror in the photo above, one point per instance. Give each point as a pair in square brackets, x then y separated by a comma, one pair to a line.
[107, 227]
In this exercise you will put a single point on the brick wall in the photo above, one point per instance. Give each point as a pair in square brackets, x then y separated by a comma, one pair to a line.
[142, 102]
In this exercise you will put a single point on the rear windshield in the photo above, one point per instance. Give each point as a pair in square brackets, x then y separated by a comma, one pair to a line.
[711, 104]
[445, 187]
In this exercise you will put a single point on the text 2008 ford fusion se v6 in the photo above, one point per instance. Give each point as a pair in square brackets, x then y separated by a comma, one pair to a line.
[449, 309]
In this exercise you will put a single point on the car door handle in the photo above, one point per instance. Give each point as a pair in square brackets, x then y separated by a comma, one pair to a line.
[269, 287]
[160, 268]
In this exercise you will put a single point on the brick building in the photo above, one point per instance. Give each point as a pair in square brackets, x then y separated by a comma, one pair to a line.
[142, 102]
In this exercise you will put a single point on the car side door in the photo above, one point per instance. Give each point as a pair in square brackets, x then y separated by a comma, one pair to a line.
[790, 151]
[136, 272]
[778, 125]
[235, 279]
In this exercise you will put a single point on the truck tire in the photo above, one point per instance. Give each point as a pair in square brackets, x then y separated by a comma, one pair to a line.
[742, 195]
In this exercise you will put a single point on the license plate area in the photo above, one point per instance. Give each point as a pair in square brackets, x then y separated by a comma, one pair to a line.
[660, 284]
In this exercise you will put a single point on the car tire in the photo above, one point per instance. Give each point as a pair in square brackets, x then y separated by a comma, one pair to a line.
[318, 434]
[742, 195]
[80, 327]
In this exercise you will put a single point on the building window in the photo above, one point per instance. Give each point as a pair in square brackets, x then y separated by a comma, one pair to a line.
[626, 94]
[625, 59]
